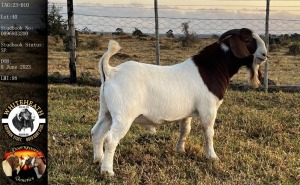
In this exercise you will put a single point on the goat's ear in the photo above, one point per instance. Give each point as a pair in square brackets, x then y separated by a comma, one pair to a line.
[238, 47]
[10, 161]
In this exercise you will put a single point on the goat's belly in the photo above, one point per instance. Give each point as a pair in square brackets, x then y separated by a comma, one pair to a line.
[142, 120]
[149, 119]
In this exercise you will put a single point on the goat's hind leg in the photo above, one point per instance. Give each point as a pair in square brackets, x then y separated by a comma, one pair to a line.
[185, 128]
[99, 132]
[118, 130]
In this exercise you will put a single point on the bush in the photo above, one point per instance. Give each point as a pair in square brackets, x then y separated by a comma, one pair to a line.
[189, 38]
[94, 44]
[137, 32]
[285, 42]
[274, 47]
[294, 49]
[119, 31]
[170, 33]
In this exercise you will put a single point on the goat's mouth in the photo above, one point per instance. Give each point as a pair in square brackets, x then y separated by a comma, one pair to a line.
[260, 60]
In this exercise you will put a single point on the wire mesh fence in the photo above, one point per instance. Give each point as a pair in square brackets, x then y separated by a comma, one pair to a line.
[92, 23]
[109, 24]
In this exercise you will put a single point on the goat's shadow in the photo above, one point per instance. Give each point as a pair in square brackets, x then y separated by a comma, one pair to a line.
[192, 154]
[152, 138]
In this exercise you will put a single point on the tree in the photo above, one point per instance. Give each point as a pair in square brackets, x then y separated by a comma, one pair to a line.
[86, 30]
[56, 24]
[189, 38]
[185, 28]
[170, 33]
[119, 31]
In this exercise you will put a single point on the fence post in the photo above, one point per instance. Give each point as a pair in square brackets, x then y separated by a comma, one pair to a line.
[156, 33]
[72, 42]
[266, 85]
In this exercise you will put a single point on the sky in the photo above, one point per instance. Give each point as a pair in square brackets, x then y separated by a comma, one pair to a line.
[195, 9]
[289, 7]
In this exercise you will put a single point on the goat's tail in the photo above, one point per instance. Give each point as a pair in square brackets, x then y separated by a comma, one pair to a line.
[104, 67]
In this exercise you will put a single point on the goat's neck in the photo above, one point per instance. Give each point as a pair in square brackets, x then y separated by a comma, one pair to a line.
[41, 168]
[217, 67]
[237, 63]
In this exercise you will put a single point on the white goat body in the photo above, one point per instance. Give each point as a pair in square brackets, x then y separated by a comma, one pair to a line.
[158, 93]
[150, 94]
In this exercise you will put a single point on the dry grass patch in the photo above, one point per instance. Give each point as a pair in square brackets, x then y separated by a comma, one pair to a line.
[257, 140]
[282, 67]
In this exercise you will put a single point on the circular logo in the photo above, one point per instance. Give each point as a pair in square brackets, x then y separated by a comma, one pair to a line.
[23, 120]
[24, 164]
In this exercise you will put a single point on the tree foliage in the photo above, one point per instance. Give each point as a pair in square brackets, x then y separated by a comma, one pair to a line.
[170, 33]
[119, 31]
[137, 32]
[56, 24]
[294, 49]
[188, 39]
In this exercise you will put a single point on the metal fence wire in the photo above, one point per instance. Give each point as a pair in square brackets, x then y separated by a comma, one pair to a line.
[109, 24]
[106, 18]
[99, 23]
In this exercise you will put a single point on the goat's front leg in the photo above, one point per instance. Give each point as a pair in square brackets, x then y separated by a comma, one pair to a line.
[207, 118]
[209, 143]
[185, 128]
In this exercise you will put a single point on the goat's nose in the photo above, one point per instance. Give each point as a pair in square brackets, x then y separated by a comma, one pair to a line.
[265, 55]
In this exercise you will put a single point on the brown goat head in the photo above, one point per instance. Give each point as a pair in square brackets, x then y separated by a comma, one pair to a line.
[14, 162]
[241, 42]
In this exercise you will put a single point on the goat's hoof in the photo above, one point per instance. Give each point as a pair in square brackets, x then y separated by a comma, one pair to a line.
[215, 158]
[96, 162]
[152, 130]
[108, 173]
[181, 150]
[180, 147]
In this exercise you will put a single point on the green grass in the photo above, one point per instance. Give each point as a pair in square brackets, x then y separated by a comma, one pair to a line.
[257, 142]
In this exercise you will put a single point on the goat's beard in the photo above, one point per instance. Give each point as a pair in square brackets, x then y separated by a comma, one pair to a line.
[253, 75]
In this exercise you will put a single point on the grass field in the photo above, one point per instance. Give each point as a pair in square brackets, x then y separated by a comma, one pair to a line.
[257, 141]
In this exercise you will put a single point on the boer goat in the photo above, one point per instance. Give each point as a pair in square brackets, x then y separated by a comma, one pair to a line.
[10, 164]
[38, 164]
[150, 94]
[23, 120]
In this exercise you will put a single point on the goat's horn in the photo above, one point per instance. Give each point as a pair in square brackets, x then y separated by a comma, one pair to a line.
[229, 32]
